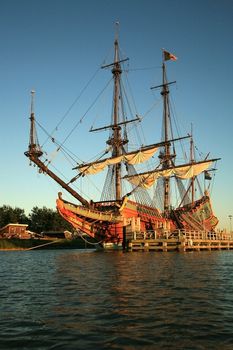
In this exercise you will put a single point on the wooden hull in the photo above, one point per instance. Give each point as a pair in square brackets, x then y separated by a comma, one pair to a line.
[198, 216]
[107, 222]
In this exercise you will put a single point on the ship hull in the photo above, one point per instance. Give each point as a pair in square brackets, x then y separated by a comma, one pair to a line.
[197, 216]
[109, 226]
[109, 222]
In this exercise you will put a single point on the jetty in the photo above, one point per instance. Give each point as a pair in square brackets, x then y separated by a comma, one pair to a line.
[180, 241]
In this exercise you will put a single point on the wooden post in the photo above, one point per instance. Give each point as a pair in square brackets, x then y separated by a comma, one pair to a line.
[164, 246]
[182, 247]
[124, 238]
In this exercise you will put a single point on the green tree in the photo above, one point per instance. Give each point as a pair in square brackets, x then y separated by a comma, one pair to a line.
[9, 215]
[39, 220]
[44, 219]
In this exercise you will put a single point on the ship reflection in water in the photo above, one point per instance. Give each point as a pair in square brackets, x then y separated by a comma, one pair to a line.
[100, 300]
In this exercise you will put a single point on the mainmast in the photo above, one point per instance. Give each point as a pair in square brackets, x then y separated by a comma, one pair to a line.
[116, 141]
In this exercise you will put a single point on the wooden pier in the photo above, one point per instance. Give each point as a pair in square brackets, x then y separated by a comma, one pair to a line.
[180, 241]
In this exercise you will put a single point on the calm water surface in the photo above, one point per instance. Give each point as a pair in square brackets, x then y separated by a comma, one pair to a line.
[101, 300]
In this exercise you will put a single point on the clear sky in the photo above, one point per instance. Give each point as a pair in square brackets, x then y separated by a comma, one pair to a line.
[55, 47]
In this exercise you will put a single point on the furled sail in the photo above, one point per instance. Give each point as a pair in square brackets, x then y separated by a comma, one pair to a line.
[132, 158]
[146, 180]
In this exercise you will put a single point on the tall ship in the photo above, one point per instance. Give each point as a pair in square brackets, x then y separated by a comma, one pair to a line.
[145, 188]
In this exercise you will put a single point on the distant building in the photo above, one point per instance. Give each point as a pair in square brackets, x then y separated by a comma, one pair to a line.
[15, 231]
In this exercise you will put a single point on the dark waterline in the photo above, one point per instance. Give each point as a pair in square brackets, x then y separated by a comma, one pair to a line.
[102, 300]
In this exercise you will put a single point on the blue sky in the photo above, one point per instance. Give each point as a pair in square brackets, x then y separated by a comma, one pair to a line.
[55, 47]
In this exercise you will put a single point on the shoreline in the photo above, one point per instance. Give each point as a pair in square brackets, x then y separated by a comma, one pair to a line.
[16, 244]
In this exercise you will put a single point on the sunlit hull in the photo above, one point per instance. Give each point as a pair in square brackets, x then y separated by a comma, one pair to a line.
[107, 222]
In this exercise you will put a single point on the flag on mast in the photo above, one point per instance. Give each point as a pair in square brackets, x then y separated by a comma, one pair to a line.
[169, 56]
[207, 175]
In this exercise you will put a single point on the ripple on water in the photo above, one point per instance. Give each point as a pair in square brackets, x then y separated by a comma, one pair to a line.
[87, 300]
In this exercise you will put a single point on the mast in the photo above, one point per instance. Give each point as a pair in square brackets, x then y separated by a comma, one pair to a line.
[192, 161]
[116, 71]
[166, 156]
[34, 146]
[34, 153]
[116, 140]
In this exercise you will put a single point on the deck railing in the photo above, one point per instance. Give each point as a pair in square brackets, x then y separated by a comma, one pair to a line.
[187, 234]
[205, 235]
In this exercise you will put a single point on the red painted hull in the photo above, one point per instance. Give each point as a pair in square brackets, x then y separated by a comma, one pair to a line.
[106, 223]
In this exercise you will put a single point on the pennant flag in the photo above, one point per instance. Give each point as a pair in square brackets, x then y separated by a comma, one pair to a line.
[169, 56]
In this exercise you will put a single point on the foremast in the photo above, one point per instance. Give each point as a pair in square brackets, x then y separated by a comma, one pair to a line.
[34, 153]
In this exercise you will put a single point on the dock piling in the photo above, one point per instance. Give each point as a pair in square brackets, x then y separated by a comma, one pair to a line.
[180, 241]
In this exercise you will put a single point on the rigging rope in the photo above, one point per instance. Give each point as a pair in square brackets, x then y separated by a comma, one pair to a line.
[92, 243]
[61, 145]
[84, 115]
[145, 68]
[72, 105]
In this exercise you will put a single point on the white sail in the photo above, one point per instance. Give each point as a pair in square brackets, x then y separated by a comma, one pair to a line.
[187, 172]
[146, 180]
[132, 158]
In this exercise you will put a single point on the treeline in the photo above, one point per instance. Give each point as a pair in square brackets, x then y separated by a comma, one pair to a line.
[38, 220]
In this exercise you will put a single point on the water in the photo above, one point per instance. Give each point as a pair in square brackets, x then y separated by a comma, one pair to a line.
[98, 300]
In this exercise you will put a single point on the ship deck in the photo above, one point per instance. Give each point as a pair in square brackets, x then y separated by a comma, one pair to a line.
[180, 241]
